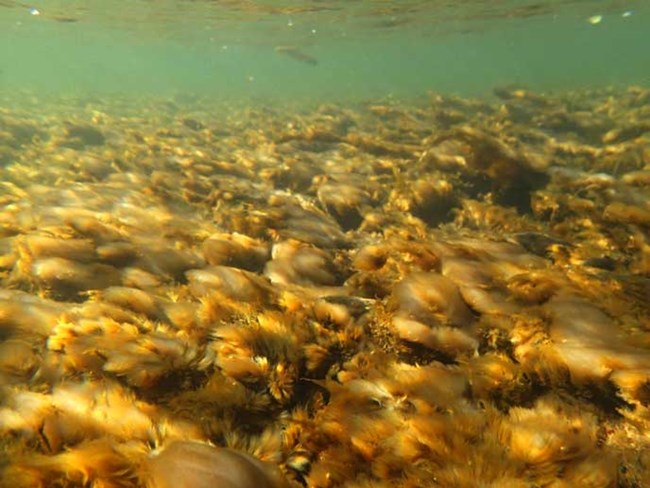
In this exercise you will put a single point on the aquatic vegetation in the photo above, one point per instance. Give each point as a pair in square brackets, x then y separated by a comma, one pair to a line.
[392, 295]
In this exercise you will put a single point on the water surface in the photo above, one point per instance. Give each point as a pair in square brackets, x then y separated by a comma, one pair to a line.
[363, 49]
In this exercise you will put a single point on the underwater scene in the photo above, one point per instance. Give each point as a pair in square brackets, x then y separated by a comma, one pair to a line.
[324, 243]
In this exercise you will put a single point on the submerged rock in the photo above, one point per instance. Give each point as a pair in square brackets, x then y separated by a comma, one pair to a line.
[186, 464]
[512, 173]
[78, 136]
[337, 292]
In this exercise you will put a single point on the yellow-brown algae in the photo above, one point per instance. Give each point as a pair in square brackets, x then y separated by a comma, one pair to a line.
[344, 202]
[371, 258]
[431, 298]
[132, 299]
[478, 288]
[539, 437]
[586, 340]
[139, 278]
[360, 297]
[116, 253]
[43, 247]
[441, 338]
[23, 313]
[233, 282]
[293, 262]
[621, 212]
[637, 178]
[235, 250]
[431, 199]
[68, 278]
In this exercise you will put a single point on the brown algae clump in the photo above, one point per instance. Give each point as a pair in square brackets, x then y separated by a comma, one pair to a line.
[450, 293]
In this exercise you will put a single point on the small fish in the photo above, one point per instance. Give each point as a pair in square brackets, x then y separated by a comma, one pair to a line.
[297, 54]
[66, 20]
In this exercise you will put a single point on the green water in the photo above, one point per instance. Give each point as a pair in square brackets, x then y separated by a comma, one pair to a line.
[364, 49]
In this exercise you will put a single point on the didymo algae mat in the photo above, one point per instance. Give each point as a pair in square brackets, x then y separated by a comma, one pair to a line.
[206, 289]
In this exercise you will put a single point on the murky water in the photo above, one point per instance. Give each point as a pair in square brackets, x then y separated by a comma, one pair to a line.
[371, 48]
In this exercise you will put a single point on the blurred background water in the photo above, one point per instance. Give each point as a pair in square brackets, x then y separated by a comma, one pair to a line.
[350, 49]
